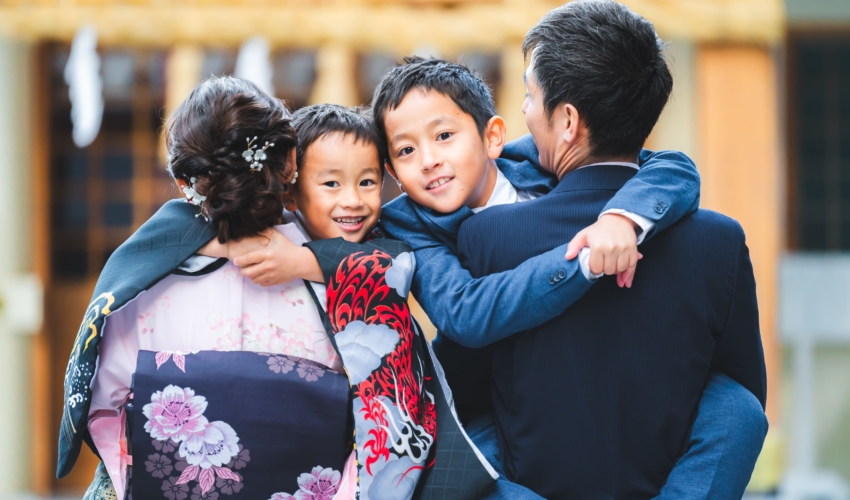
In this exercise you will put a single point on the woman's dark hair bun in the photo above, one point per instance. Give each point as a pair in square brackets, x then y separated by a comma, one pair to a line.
[206, 137]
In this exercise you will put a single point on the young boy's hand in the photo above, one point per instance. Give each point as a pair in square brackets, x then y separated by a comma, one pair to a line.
[613, 247]
[271, 259]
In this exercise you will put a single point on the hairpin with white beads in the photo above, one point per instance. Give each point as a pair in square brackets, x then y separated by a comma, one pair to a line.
[294, 177]
[192, 196]
[254, 156]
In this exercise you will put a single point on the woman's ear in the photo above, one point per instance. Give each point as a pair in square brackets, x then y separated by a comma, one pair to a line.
[390, 169]
[494, 136]
[181, 184]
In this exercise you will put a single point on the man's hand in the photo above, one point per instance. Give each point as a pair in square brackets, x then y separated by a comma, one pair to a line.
[271, 259]
[613, 247]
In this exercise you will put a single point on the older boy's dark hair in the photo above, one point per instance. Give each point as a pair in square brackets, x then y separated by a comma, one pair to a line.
[456, 81]
[608, 62]
[314, 122]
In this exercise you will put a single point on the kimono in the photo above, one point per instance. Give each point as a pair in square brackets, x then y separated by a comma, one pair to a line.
[409, 443]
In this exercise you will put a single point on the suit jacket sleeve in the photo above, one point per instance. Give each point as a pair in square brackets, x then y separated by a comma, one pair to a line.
[477, 312]
[665, 189]
[739, 351]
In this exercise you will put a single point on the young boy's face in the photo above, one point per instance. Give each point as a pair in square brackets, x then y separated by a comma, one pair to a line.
[338, 192]
[437, 153]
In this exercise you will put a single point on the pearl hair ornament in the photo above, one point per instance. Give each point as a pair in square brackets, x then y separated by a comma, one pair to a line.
[254, 156]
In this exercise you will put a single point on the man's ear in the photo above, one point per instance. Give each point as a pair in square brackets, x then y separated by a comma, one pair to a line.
[391, 170]
[494, 136]
[572, 123]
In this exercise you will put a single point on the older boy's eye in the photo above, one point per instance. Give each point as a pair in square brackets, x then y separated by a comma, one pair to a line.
[332, 184]
[444, 136]
[405, 151]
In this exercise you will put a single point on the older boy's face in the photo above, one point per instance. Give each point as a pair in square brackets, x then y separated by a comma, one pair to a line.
[338, 193]
[437, 153]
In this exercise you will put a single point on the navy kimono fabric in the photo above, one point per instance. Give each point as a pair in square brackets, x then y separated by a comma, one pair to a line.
[244, 425]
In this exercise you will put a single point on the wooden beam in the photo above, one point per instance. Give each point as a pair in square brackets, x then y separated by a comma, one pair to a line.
[363, 25]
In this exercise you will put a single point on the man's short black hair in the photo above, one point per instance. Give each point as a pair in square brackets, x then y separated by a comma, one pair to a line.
[312, 123]
[454, 80]
[608, 62]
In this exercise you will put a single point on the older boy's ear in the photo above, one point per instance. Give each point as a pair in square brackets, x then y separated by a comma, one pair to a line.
[494, 136]
[390, 169]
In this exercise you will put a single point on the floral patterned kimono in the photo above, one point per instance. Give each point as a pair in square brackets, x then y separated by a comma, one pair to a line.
[201, 437]
[187, 440]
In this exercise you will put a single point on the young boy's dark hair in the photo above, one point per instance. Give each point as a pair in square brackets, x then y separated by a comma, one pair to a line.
[608, 62]
[456, 81]
[314, 122]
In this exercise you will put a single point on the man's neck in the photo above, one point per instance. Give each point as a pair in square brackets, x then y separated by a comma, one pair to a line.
[575, 159]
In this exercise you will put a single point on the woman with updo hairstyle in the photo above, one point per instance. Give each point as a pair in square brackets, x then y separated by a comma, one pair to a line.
[189, 381]
[207, 138]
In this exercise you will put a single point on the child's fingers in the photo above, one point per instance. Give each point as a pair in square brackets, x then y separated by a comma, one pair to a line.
[624, 279]
[623, 261]
[578, 242]
[596, 262]
[611, 263]
[250, 258]
[251, 272]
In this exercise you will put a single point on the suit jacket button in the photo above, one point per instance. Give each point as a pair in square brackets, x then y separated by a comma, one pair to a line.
[551, 279]
[659, 208]
[562, 274]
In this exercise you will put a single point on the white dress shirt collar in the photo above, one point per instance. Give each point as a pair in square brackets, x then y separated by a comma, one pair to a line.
[503, 193]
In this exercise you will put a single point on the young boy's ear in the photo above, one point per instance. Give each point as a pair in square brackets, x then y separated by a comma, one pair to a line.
[390, 169]
[494, 136]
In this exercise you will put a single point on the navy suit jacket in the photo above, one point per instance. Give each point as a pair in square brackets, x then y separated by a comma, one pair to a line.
[478, 312]
[599, 402]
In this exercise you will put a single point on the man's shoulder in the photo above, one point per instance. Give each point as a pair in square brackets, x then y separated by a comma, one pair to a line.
[709, 223]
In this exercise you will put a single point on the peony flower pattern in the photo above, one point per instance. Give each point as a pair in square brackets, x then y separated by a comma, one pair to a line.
[206, 452]
[319, 484]
[212, 448]
[175, 414]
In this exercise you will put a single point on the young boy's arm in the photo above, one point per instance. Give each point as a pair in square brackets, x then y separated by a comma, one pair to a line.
[666, 189]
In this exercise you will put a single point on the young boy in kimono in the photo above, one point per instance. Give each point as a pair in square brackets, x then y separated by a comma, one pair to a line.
[444, 150]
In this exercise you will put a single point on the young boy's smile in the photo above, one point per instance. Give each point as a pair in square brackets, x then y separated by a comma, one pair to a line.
[338, 193]
[437, 153]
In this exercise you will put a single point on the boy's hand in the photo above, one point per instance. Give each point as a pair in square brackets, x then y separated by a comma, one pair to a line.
[277, 261]
[613, 247]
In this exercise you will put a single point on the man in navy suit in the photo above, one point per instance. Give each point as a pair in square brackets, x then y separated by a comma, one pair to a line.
[600, 401]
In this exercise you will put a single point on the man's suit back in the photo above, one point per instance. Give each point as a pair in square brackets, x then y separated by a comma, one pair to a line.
[599, 402]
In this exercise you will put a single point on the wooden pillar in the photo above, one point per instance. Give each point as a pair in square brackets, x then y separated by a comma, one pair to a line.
[738, 141]
[335, 76]
[511, 93]
[677, 127]
[182, 74]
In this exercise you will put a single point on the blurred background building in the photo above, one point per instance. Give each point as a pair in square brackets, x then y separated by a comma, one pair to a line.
[761, 102]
